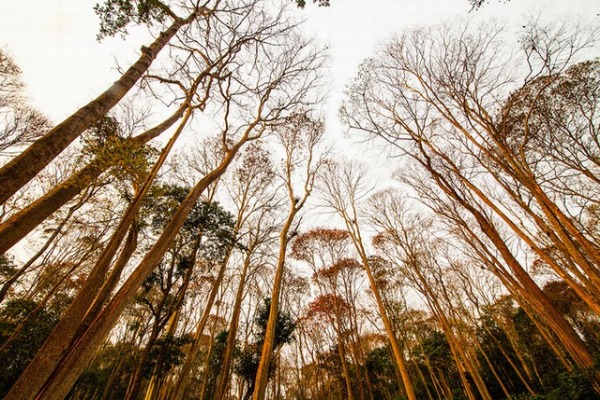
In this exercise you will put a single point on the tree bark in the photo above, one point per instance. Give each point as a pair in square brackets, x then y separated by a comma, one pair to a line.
[20, 224]
[28, 164]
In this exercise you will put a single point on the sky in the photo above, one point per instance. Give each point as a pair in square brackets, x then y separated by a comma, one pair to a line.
[64, 66]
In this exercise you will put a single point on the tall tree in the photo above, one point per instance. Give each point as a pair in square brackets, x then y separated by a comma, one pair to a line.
[300, 137]
[30, 162]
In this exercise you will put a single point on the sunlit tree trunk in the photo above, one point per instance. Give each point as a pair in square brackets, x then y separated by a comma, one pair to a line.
[21, 223]
[28, 164]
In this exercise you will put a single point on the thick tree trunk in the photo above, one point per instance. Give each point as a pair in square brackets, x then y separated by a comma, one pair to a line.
[28, 164]
[56, 346]
[76, 361]
[20, 224]
[103, 295]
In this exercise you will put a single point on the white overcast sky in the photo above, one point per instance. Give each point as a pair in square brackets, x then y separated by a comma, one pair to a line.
[64, 67]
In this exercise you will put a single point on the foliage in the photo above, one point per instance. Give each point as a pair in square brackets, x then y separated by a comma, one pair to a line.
[322, 3]
[169, 350]
[7, 267]
[106, 144]
[207, 222]
[248, 358]
[38, 322]
[116, 15]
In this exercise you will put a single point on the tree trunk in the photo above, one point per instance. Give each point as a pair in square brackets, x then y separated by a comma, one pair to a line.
[21, 169]
[397, 351]
[186, 369]
[20, 224]
[233, 327]
[267, 350]
[57, 345]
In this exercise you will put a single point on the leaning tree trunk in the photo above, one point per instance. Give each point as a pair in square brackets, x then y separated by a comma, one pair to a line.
[58, 343]
[79, 357]
[24, 167]
[20, 224]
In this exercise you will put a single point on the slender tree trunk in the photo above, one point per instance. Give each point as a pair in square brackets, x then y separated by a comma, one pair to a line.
[397, 351]
[133, 388]
[267, 350]
[574, 345]
[114, 375]
[156, 381]
[28, 164]
[100, 300]
[233, 327]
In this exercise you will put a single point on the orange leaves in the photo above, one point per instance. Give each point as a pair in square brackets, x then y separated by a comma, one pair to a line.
[306, 244]
[326, 305]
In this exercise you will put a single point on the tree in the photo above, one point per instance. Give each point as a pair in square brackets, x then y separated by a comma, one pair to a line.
[19, 123]
[300, 136]
[270, 92]
[248, 359]
[343, 188]
[16, 355]
[30, 162]
[426, 97]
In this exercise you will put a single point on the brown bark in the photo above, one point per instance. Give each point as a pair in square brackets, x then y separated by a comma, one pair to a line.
[56, 346]
[28, 164]
[310, 163]
[76, 361]
[20, 224]
[103, 295]
[267, 350]
[574, 345]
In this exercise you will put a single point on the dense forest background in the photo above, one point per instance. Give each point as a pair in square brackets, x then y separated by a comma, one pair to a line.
[194, 233]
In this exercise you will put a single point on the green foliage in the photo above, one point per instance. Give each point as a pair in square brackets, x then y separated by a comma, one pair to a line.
[107, 145]
[569, 386]
[15, 355]
[380, 367]
[207, 221]
[169, 351]
[247, 359]
[116, 15]
[284, 326]
[7, 267]
[322, 3]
